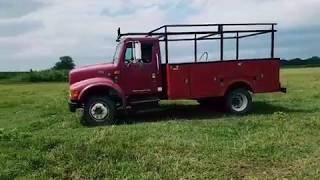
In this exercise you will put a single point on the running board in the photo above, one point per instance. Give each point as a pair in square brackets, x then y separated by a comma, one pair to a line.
[144, 101]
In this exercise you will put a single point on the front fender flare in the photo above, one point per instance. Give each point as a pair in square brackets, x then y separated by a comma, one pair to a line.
[84, 86]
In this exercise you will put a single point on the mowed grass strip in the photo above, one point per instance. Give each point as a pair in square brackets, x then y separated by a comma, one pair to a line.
[40, 139]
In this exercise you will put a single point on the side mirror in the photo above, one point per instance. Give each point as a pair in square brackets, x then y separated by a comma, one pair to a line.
[137, 50]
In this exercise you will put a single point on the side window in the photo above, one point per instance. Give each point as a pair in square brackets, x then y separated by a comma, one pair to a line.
[129, 54]
[138, 53]
[146, 53]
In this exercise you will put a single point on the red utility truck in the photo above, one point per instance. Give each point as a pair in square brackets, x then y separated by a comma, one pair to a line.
[140, 76]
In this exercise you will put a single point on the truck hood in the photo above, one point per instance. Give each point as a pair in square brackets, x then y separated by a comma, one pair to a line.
[92, 71]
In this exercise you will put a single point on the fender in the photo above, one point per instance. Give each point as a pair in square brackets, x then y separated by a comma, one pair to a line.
[83, 86]
[240, 82]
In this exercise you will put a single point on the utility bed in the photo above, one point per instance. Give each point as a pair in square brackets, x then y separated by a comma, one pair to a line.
[212, 79]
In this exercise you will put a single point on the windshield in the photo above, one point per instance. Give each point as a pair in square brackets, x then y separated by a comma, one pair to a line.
[117, 53]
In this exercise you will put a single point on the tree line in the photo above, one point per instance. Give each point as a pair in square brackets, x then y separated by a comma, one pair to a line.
[308, 62]
[58, 73]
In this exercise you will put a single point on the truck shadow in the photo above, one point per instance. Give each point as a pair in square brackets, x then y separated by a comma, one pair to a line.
[182, 112]
[266, 108]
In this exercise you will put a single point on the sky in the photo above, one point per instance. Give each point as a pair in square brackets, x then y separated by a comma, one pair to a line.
[35, 33]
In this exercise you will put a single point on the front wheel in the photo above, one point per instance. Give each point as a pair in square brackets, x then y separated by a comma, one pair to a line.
[239, 101]
[99, 111]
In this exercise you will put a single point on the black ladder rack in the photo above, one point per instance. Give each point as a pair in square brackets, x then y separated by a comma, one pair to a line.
[167, 33]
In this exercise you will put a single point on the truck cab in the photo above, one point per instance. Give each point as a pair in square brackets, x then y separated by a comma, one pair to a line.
[137, 77]
[134, 76]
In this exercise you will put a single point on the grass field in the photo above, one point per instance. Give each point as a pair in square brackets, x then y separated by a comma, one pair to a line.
[40, 139]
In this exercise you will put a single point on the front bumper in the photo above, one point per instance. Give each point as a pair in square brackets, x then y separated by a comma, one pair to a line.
[73, 106]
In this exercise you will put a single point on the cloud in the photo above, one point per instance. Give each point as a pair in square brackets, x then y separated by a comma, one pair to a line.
[288, 13]
[15, 28]
[34, 33]
[18, 8]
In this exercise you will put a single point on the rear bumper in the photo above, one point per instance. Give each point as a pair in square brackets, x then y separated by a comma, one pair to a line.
[73, 106]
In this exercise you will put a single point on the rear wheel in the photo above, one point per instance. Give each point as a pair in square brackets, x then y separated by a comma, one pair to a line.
[238, 101]
[99, 111]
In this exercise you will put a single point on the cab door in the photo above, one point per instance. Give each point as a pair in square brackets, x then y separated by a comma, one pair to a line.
[139, 73]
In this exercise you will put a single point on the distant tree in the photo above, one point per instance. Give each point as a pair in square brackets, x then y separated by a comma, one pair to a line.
[309, 62]
[65, 63]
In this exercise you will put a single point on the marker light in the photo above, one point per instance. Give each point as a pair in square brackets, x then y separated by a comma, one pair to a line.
[74, 94]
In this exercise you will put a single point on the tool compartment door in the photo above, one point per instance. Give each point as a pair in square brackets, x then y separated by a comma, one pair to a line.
[205, 79]
[178, 81]
[267, 80]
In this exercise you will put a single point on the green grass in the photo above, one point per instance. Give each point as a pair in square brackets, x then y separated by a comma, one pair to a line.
[40, 139]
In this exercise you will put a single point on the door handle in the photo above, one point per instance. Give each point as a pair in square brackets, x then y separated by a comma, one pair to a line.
[186, 81]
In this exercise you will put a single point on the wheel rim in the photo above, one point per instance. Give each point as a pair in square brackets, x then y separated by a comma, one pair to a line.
[99, 111]
[239, 102]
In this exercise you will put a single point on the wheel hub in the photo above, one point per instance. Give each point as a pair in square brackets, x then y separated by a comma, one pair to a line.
[99, 111]
[239, 102]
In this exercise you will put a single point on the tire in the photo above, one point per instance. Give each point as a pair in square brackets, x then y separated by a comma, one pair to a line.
[238, 101]
[98, 110]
